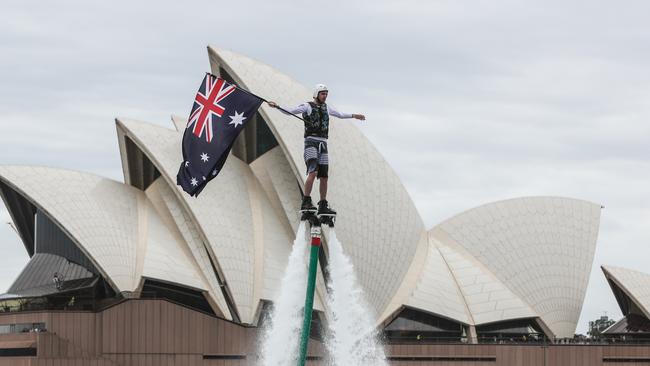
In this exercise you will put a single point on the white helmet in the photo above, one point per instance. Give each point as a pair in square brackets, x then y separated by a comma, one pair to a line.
[319, 88]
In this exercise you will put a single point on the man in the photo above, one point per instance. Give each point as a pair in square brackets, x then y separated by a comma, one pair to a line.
[57, 280]
[316, 115]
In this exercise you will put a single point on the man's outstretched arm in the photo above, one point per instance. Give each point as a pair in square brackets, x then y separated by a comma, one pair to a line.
[337, 114]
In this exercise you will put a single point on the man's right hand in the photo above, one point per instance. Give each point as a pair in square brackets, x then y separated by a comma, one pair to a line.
[272, 104]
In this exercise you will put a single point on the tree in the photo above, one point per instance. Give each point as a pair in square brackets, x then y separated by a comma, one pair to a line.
[596, 327]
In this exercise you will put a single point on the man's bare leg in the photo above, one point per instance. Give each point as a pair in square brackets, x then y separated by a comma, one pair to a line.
[309, 183]
[323, 188]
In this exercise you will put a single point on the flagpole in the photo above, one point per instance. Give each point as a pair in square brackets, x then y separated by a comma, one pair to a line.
[263, 99]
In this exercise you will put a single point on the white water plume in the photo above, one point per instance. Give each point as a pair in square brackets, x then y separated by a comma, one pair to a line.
[353, 339]
[281, 339]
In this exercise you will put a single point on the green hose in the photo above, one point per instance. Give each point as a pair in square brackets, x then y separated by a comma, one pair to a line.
[309, 299]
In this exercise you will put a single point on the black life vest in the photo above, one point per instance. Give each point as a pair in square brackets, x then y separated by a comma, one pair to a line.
[318, 122]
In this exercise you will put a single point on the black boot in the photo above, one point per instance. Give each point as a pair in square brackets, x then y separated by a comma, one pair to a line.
[324, 209]
[307, 205]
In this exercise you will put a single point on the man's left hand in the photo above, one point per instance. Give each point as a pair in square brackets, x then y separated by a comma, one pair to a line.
[359, 117]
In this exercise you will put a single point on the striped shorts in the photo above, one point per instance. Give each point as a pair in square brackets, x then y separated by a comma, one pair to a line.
[316, 157]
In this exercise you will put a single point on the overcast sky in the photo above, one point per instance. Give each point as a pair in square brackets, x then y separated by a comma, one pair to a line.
[469, 101]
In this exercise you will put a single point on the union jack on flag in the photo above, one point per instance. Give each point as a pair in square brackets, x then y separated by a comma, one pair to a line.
[219, 113]
[206, 105]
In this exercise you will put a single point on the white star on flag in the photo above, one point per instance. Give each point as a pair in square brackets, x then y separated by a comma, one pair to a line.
[237, 119]
[194, 182]
[205, 157]
[214, 172]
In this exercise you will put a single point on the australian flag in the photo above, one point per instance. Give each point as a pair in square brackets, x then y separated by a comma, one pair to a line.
[220, 112]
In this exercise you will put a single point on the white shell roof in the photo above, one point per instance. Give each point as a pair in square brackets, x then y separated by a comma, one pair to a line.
[635, 284]
[540, 248]
[378, 223]
[168, 256]
[436, 289]
[114, 224]
[98, 213]
[278, 181]
[487, 298]
[160, 191]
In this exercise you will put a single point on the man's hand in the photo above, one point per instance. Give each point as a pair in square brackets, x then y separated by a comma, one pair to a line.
[272, 104]
[359, 117]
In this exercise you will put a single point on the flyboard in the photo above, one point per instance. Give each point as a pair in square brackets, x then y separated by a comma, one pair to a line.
[315, 221]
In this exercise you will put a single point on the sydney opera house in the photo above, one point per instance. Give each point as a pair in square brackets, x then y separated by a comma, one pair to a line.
[139, 273]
